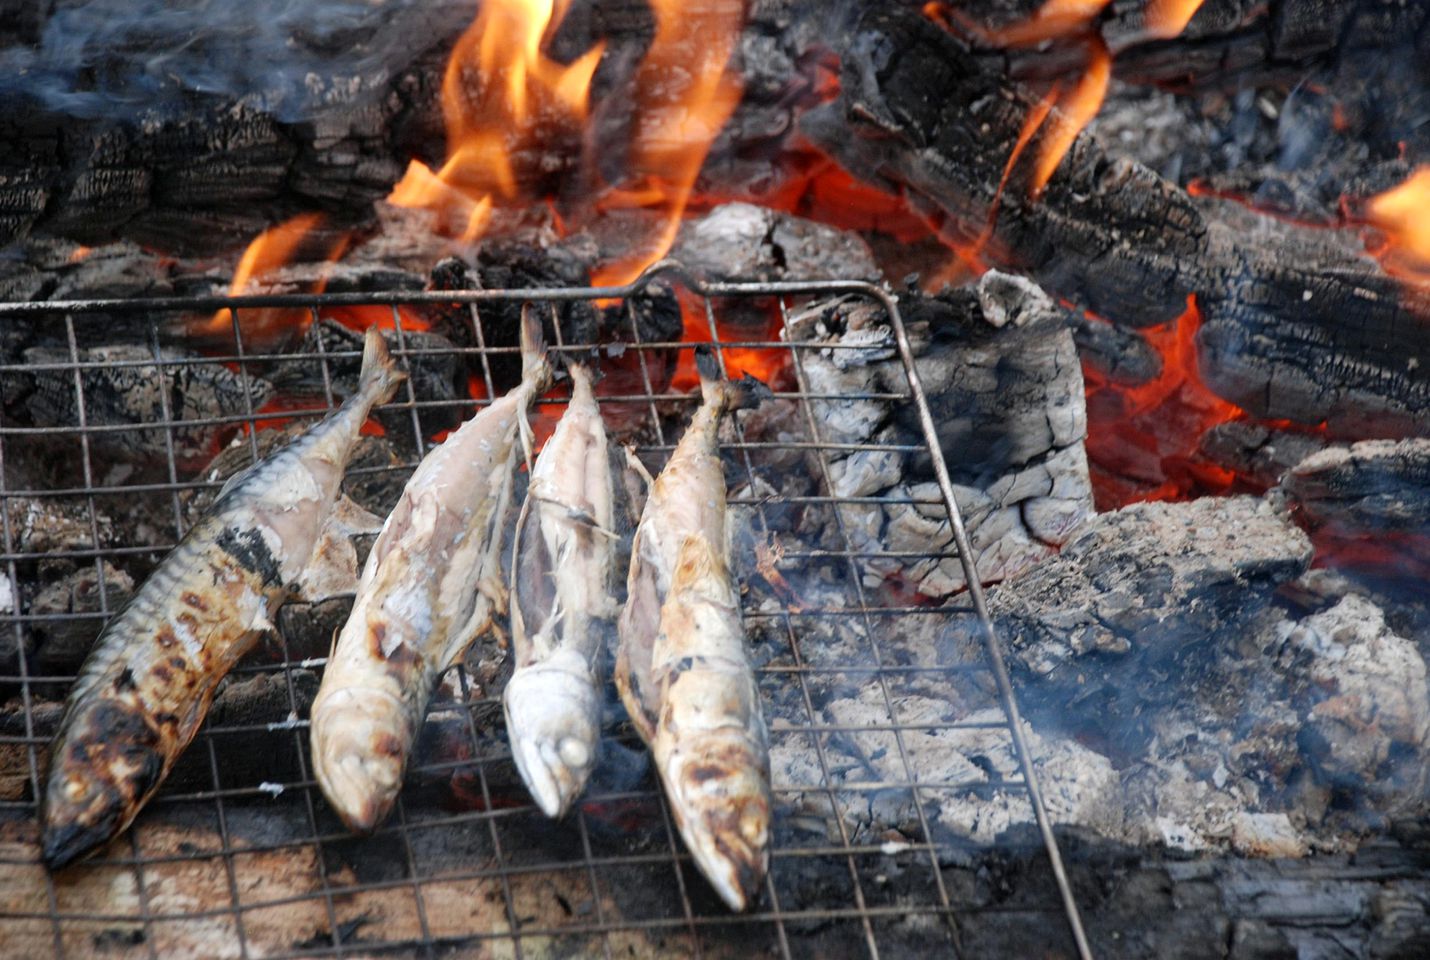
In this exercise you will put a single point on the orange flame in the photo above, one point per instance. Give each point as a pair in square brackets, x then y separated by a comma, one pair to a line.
[1054, 19]
[1152, 431]
[1165, 19]
[268, 251]
[1075, 111]
[1403, 215]
[686, 92]
[498, 86]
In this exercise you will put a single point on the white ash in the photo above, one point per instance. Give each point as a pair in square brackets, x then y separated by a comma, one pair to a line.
[55, 525]
[1364, 696]
[741, 241]
[1000, 370]
[1079, 786]
[1147, 578]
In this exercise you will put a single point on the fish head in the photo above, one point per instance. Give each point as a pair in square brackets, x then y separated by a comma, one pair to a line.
[108, 760]
[553, 719]
[719, 790]
[360, 740]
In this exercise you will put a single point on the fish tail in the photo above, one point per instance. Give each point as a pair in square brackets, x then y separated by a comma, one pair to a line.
[742, 394]
[380, 374]
[535, 364]
[581, 381]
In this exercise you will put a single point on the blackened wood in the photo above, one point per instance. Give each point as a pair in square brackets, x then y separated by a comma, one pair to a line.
[1226, 43]
[1298, 324]
[1371, 487]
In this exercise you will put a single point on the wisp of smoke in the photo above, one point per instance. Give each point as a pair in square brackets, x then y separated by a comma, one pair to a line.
[120, 58]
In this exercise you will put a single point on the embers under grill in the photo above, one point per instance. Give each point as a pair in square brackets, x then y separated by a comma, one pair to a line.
[239, 855]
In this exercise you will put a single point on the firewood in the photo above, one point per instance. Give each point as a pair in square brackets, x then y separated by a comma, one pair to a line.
[1121, 241]
[1376, 486]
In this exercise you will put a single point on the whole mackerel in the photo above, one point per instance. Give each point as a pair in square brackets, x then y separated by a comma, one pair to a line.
[683, 670]
[148, 683]
[562, 606]
[429, 588]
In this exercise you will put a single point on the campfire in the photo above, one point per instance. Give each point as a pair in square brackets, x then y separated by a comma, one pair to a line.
[1080, 542]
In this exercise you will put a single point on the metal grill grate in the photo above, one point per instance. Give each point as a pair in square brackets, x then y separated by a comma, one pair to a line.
[241, 868]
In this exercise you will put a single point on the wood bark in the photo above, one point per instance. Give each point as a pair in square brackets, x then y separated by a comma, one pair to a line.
[1297, 323]
[1225, 44]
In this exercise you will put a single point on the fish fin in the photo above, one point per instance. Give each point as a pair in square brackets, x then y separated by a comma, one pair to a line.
[634, 463]
[535, 364]
[233, 481]
[528, 439]
[742, 394]
[332, 570]
[637, 631]
[481, 622]
[380, 374]
[529, 564]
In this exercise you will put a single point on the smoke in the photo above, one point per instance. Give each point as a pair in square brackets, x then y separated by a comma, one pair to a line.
[120, 58]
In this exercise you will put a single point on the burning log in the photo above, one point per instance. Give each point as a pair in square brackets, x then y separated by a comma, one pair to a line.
[1259, 454]
[741, 241]
[1126, 244]
[1365, 505]
[123, 386]
[1221, 42]
[1376, 486]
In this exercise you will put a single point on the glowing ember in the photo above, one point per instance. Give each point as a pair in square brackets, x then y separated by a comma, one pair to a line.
[1403, 215]
[1143, 440]
[1168, 18]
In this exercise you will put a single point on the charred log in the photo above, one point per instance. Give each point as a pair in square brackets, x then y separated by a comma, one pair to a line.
[1370, 487]
[1121, 241]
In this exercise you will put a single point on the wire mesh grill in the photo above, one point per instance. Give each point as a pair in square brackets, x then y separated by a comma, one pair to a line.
[241, 858]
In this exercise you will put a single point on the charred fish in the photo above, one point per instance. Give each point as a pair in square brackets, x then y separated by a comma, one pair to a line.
[148, 683]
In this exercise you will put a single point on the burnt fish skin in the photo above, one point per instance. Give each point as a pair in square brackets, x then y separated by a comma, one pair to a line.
[683, 670]
[148, 683]
[429, 588]
[562, 607]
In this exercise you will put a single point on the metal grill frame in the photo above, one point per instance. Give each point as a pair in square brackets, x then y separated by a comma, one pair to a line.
[128, 852]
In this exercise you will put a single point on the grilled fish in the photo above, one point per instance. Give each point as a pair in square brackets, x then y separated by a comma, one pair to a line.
[682, 668]
[147, 684]
[562, 606]
[430, 586]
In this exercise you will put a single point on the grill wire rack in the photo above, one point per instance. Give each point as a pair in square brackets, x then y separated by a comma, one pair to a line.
[233, 867]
